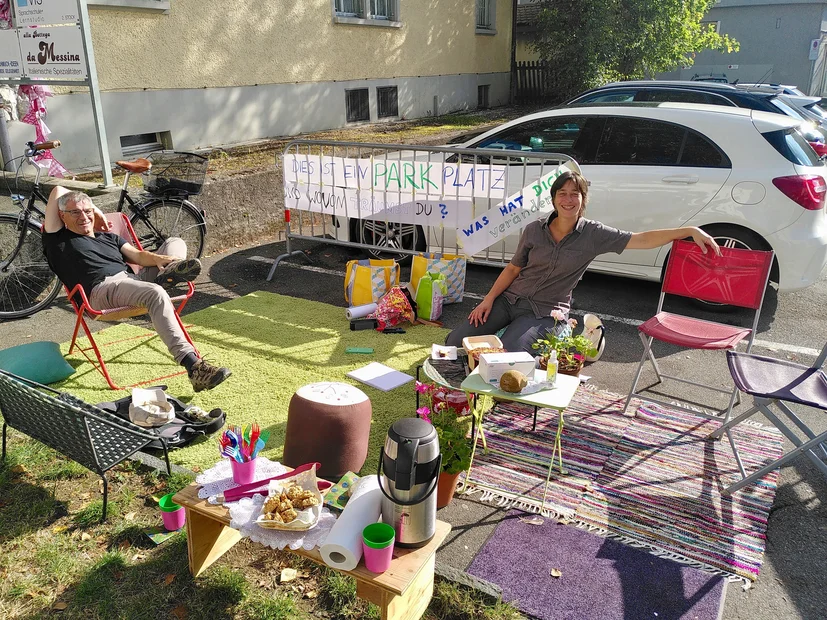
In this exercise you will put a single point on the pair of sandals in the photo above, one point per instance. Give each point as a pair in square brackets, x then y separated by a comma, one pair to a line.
[594, 330]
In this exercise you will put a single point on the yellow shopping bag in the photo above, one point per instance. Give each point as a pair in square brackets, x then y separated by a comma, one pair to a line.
[452, 268]
[367, 280]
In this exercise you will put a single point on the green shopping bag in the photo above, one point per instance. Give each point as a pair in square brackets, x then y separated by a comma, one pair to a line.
[430, 293]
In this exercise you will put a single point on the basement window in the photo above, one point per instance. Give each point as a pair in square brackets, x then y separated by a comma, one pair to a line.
[482, 96]
[387, 102]
[357, 105]
[142, 143]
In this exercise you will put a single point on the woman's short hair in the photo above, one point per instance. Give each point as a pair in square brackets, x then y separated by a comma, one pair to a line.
[579, 181]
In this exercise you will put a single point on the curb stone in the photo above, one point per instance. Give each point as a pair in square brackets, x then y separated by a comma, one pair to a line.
[490, 592]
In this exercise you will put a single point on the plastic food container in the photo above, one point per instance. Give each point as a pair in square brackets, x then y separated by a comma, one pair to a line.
[476, 342]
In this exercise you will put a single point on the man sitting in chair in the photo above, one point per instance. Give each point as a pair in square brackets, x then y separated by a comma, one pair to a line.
[80, 250]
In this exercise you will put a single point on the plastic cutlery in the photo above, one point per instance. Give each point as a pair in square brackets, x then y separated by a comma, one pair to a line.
[258, 448]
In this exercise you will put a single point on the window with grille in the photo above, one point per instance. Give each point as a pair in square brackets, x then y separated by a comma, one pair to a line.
[485, 19]
[387, 102]
[348, 7]
[383, 10]
[357, 105]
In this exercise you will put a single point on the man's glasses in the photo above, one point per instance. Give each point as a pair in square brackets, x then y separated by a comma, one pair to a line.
[77, 212]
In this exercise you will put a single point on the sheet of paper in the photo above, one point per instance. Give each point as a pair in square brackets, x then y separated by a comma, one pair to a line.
[380, 376]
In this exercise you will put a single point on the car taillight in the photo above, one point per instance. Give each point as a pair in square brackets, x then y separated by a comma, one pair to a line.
[820, 148]
[808, 190]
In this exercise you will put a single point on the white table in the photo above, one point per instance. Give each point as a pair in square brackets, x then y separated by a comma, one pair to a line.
[557, 397]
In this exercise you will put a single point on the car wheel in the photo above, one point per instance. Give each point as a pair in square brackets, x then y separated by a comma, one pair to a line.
[738, 238]
[388, 235]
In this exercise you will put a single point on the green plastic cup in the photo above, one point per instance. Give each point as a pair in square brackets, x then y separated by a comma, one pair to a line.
[377, 546]
[378, 535]
[167, 505]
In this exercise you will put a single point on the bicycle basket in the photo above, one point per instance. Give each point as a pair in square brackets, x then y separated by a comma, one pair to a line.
[175, 172]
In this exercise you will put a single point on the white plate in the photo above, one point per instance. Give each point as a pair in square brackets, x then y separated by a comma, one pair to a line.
[441, 352]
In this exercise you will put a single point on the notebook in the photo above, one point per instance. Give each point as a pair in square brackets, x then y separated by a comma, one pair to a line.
[380, 376]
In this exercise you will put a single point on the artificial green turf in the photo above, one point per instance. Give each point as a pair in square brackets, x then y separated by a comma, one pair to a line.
[274, 344]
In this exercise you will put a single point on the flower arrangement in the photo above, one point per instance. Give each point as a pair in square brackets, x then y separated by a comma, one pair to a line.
[571, 350]
[451, 427]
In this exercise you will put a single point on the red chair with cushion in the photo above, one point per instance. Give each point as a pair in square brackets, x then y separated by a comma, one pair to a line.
[83, 309]
[738, 278]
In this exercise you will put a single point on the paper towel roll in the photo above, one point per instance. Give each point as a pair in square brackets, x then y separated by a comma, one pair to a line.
[359, 312]
[342, 548]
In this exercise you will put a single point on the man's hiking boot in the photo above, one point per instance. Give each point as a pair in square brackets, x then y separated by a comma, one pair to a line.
[179, 271]
[205, 376]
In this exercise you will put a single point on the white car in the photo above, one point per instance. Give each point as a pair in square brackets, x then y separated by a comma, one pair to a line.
[746, 177]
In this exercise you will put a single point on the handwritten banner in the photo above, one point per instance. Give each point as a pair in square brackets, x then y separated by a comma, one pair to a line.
[394, 207]
[395, 174]
[511, 215]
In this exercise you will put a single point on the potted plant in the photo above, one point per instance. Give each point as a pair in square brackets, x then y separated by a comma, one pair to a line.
[452, 428]
[571, 351]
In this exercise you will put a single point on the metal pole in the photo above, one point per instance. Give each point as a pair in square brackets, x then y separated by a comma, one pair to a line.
[512, 91]
[5, 145]
[94, 91]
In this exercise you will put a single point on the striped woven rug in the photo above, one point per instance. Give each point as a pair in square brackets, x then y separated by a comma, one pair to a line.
[513, 471]
[649, 480]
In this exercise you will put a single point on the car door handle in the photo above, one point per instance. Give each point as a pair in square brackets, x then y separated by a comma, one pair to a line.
[688, 179]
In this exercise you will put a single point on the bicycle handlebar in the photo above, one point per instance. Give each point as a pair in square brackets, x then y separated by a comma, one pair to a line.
[44, 146]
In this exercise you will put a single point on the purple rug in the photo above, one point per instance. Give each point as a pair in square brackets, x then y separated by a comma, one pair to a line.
[600, 578]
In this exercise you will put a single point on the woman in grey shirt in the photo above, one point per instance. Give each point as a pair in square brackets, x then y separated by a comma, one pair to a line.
[549, 261]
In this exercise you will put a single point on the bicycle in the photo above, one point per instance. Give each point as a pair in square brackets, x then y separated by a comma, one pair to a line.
[170, 178]
[27, 284]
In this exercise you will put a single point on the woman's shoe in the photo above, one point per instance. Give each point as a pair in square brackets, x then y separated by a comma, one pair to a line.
[594, 330]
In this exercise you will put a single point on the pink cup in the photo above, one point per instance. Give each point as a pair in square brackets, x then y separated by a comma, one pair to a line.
[377, 547]
[175, 519]
[243, 473]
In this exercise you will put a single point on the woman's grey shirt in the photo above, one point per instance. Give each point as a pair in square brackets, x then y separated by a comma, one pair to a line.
[551, 270]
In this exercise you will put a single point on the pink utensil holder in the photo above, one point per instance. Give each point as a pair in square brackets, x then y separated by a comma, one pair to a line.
[175, 519]
[243, 473]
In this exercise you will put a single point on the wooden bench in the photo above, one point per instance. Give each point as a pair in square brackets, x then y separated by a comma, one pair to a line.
[403, 592]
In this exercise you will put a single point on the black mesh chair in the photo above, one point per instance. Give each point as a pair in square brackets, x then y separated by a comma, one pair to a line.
[776, 382]
[96, 439]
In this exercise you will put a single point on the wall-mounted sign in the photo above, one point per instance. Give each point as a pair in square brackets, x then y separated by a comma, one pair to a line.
[10, 65]
[53, 53]
[44, 12]
[814, 49]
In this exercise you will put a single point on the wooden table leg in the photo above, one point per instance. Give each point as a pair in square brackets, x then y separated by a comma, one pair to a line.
[408, 606]
[207, 540]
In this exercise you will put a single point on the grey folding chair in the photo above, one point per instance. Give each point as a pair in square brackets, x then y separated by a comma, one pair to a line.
[776, 382]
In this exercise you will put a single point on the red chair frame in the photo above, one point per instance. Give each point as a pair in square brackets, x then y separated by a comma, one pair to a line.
[82, 307]
[738, 277]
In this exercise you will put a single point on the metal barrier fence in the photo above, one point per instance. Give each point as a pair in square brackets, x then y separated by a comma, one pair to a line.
[400, 199]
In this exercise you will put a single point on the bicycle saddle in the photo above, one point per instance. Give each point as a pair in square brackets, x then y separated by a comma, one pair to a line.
[138, 166]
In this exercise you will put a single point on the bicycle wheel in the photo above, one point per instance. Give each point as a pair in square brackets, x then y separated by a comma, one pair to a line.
[158, 219]
[27, 285]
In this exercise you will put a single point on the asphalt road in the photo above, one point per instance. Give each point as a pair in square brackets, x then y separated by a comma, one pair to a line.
[793, 325]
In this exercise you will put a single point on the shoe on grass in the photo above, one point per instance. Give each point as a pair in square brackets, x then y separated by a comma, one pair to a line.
[205, 376]
[179, 271]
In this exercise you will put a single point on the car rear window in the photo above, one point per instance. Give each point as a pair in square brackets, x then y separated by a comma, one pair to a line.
[793, 147]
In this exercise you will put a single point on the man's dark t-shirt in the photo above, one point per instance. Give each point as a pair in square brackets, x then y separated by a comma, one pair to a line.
[86, 260]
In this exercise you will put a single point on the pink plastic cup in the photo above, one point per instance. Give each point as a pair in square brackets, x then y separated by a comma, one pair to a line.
[377, 546]
[243, 473]
[174, 520]
[173, 515]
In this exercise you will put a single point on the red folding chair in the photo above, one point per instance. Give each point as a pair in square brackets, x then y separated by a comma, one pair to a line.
[80, 302]
[737, 277]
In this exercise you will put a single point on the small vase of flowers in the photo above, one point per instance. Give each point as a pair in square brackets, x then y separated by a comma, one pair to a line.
[571, 351]
[452, 429]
